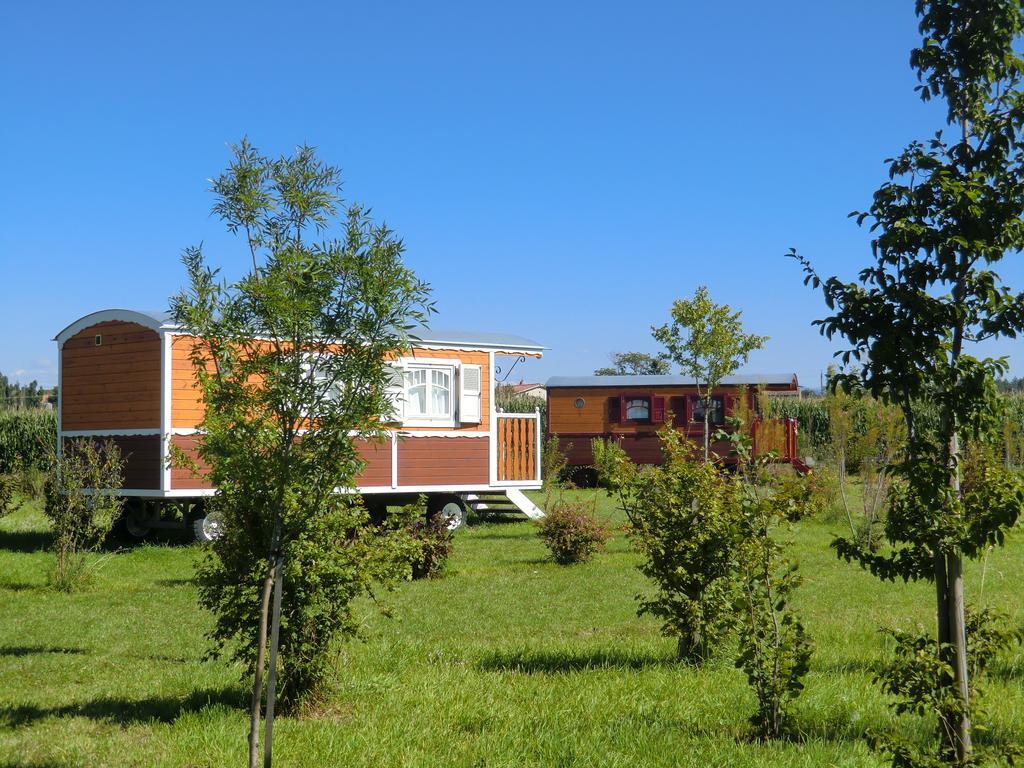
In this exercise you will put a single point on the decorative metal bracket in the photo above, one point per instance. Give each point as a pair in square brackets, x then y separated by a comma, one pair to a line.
[497, 369]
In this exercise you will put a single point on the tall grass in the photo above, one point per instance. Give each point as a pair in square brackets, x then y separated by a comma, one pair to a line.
[26, 437]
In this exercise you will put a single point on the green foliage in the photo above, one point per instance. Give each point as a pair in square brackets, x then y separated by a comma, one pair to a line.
[330, 559]
[910, 678]
[81, 516]
[29, 396]
[688, 533]
[774, 649]
[435, 539]
[554, 463]
[509, 401]
[27, 438]
[634, 364]
[706, 340]
[292, 363]
[571, 532]
[613, 467]
[7, 487]
[951, 211]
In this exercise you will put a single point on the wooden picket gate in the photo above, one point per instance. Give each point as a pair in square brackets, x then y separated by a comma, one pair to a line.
[518, 447]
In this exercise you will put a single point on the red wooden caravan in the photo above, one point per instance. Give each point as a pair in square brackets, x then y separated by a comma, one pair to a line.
[632, 409]
[127, 376]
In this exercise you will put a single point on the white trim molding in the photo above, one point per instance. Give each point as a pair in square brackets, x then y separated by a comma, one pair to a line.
[166, 372]
[124, 432]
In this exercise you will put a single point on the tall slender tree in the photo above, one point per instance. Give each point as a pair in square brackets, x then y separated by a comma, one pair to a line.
[949, 213]
[706, 340]
[292, 363]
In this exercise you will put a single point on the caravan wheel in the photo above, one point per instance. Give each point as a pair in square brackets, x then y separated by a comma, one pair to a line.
[451, 510]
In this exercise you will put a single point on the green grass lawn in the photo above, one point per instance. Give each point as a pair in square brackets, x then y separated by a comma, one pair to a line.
[509, 660]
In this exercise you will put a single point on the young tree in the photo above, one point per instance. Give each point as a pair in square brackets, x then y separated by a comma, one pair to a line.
[292, 362]
[949, 213]
[634, 364]
[81, 514]
[706, 340]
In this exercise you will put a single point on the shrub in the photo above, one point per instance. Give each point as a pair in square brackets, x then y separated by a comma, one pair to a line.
[688, 534]
[553, 463]
[572, 533]
[81, 516]
[435, 542]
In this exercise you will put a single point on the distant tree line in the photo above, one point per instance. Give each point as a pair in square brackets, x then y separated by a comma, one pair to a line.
[31, 395]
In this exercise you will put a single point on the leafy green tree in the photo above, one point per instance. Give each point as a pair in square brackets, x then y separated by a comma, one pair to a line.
[634, 364]
[950, 212]
[292, 362]
[706, 340]
[81, 504]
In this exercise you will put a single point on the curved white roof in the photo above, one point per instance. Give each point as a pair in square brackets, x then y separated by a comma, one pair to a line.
[162, 321]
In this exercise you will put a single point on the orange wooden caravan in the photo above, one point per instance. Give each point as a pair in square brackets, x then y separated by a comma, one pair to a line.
[632, 409]
[127, 376]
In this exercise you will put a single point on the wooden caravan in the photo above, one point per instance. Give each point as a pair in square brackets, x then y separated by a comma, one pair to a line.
[632, 409]
[127, 376]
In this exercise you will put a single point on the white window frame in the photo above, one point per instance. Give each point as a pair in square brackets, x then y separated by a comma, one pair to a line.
[432, 420]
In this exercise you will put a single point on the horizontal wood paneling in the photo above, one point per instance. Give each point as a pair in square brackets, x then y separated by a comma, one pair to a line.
[141, 455]
[565, 417]
[442, 461]
[112, 386]
[378, 463]
[187, 478]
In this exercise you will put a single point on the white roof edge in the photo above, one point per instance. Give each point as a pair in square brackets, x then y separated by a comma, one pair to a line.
[161, 321]
[146, 319]
[788, 379]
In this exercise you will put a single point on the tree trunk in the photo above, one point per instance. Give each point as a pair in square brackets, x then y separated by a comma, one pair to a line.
[707, 429]
[958, 630]
[257, 683]
[275, 634]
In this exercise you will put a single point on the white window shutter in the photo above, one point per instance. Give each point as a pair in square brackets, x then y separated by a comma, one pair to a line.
[471, 384]
[395, 393]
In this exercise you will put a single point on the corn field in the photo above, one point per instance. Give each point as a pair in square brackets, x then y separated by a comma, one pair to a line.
[26, 437]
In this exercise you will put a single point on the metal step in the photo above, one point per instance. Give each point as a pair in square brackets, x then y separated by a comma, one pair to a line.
[509, 500]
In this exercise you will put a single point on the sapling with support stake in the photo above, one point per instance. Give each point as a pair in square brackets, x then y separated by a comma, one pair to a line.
[293, 365]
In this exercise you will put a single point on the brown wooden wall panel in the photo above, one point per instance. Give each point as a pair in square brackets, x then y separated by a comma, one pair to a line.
[187, 407]
[184, 477]
[378, 464]
[641, 448]
[443, 461]
[141, 455]
[115, 385]
[565, 418]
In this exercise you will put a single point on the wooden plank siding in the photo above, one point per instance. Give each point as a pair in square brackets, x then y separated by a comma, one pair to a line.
[443, 461]
[576, 427]
[141, 455]
[115, 385]
[187, 407]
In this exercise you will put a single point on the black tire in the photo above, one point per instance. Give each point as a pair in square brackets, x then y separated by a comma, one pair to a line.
[137, 518]
[450, 507]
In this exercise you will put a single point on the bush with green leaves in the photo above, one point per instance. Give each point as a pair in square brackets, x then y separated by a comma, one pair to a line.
[571, 531]
[774, 648]
[7, 488]
[554, 463]
[435, 538]
[688, 532]
[81, 505]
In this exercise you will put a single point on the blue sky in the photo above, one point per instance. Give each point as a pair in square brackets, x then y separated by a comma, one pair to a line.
[558, 170]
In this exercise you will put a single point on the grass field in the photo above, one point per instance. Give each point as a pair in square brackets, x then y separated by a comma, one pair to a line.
[509, 660]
